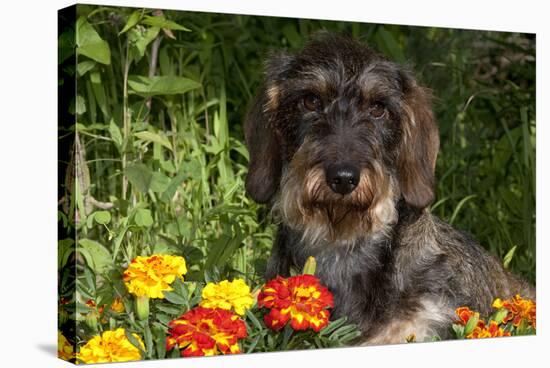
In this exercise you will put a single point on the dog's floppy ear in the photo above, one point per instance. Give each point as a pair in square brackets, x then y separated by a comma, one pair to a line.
[419, 147]
[264, 167]
[264, 147]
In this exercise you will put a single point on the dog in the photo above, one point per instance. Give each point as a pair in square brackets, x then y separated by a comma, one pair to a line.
[343, 145]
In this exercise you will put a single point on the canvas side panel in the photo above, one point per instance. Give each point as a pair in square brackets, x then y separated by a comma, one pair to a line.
[66, 94]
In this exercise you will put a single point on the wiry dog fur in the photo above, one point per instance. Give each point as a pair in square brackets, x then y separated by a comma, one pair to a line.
[394, 268]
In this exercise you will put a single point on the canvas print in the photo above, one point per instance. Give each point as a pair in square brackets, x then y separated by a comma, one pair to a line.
[233, 184]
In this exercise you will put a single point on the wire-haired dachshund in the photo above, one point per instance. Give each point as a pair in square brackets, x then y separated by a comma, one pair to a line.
[343, 144]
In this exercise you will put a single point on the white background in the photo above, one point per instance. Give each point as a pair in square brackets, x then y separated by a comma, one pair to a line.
[28, 174]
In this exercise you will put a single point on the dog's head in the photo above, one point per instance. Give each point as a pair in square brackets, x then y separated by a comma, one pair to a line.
[337, 135]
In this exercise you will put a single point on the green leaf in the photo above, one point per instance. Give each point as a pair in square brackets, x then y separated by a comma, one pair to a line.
[80, 105]
[143, 218]
[160, 85]
[140, 176]
[291, 34]
[85, 66]
[459, 206]
[161, 22]
[255, 321]
[133, 19]
[65, 45]
[116, 135]
[102, 217]
[175, 298]
[119, 238]
[100, 259]
[160, 340]
[458, 330]
[154, 137]
[130, 336]
[499, 315]
[471, 324]
[140, 41]
[287, 333]
[509, 256]
[333, 325]
[176, 181]
[148, 340]
[254, 342]
[65, 248]
[310, 266]
[389, 44]
[90, 44]
[159, 182]
[170, 309]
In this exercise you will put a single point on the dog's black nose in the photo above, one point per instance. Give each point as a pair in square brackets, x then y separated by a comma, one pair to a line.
[342, 178]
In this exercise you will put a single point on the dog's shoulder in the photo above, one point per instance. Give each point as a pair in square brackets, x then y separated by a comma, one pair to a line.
[453, 263]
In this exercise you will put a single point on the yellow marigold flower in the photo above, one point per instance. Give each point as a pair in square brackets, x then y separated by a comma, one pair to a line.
[117, 306]
[151, 276]
[111, 346]
[64, 348]
[227, 295]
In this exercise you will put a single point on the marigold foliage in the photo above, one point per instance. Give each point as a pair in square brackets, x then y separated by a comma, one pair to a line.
[301, 299]
[111, 346]
[151, 276]
[234, 295]
[206, 331]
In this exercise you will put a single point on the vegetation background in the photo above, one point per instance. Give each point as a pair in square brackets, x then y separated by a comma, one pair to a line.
[160, 160]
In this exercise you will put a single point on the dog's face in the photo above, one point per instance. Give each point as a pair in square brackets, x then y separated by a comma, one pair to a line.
[337, 135]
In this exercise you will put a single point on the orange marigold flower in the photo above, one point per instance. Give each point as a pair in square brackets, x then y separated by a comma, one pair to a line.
[117, 305]
[482, 331]
[206, 331]
[464, 314]
[518, 309]
[151, 276]
[301, 299]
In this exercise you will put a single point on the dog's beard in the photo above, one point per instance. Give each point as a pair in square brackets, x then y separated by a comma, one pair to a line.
[307, 204]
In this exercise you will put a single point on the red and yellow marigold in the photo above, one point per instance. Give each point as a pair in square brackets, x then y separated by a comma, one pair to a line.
[301, 299]
[151, 276]
[518, 309]
[483, 331]
[111, 346]
[464, 314]
[206, 331]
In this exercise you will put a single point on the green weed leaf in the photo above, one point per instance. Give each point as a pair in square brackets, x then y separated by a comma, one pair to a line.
[100, 259]
[160, 85]
[90, 44]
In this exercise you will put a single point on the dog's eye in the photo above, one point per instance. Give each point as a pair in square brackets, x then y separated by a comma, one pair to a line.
[377, 110]
[312, 102]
